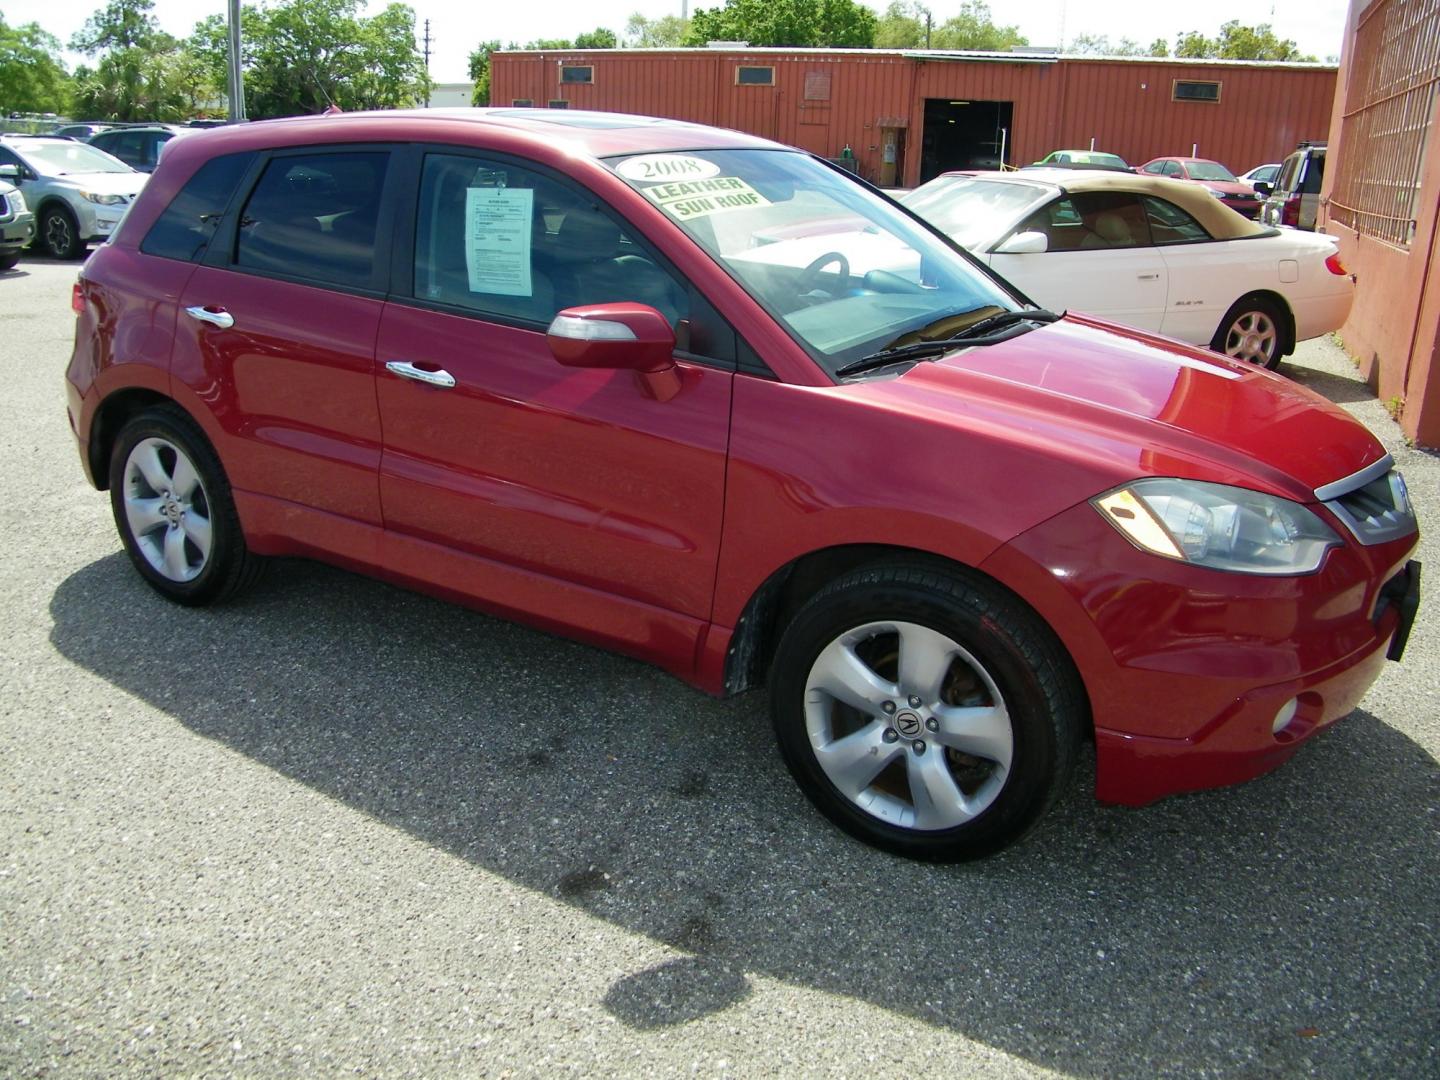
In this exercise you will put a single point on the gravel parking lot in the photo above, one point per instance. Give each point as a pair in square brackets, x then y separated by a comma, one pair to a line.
[341, 827]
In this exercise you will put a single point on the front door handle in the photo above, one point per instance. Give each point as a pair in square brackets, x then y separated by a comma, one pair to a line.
[406, 370]
[1148, 277]
[219, 317]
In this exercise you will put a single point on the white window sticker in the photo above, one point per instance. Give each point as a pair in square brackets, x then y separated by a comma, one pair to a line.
[687, 199]
[654, 168]
[497, 240]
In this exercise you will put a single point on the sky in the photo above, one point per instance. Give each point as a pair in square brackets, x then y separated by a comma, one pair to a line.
[1315, 25]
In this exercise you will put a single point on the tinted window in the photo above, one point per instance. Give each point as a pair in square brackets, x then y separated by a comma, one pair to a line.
[1089, 221]
[507, 242]
[314, 216]
[1314, 173]
[1171, 225]
[185, 228]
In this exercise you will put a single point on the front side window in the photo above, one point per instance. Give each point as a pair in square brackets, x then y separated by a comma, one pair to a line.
[844, 271]
[971, 210]
[1172, 168]
[1091, 221]
[314, 216]
[508, 242]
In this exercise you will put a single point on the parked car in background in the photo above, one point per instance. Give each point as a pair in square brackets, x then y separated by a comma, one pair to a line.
[1215, 178]
[1262, 178]
[77, 193]
[1295, 200]
[542, 362]
[1083, 159]
[138, 147]
[1156, 254]
[82, 131]
[17, 225]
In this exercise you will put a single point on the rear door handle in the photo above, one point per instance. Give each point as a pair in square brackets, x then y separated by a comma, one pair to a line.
[218, 317]
[406, 370]
[1148, 277]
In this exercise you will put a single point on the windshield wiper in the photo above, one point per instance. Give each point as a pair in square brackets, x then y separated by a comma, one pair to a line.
[984, 331]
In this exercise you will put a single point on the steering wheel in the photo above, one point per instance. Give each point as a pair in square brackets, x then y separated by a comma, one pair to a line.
[810, 276]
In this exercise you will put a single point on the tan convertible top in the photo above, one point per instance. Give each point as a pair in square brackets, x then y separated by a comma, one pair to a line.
[1219, 220]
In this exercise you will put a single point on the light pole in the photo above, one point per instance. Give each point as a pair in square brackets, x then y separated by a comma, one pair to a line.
[237, 84]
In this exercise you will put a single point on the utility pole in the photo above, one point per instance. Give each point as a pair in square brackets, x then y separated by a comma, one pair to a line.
[237, 83]
[427, 63]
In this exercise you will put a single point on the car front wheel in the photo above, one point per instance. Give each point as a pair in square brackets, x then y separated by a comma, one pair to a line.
[925, 710]
[174, 512]
[1251, 331]
[60, 235]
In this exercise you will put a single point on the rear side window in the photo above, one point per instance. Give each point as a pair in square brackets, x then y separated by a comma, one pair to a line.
[185, 228]
[315, 216]
[1314, 173]
[1171, 225]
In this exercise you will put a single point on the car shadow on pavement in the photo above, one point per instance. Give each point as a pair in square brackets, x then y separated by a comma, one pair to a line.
[1286, 926]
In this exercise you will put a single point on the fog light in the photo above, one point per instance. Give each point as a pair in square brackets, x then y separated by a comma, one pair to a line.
[1284, 716]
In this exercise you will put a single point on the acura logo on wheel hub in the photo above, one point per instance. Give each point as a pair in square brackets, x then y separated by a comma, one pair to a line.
[908, 724]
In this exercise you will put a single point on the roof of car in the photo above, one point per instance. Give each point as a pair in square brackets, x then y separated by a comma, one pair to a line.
[1218, 219]
[597, 134]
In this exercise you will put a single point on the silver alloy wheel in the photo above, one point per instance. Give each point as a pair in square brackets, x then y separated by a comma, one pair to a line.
[167, 510]
[59, 237]
[1252, 336]
[908, 725]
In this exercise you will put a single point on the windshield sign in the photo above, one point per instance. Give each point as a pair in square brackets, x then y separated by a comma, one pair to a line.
[844, 271]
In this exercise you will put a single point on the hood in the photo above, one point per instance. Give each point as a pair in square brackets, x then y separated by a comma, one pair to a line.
[1124, 404]
[115, 183]
[1230, 187]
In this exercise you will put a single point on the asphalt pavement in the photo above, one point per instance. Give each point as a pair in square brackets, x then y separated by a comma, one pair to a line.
[336, 826]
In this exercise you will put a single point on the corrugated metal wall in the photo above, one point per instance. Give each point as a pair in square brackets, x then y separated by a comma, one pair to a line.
[1127, 106]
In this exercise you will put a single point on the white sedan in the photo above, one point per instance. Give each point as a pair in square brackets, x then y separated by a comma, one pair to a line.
[1155, 254]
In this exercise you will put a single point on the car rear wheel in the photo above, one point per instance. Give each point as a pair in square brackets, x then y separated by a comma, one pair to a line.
[1251, 331]
[925, 711]
[60, 235]
[173, 509]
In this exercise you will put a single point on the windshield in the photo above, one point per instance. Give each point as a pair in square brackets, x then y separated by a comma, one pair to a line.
[62, 159]
[843, 270]
[973, 211]
[1209, 170]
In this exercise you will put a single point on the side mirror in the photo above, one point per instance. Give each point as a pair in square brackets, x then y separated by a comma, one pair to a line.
[631, 336]
[1263, 188]
[9, 172]
[1025, 243]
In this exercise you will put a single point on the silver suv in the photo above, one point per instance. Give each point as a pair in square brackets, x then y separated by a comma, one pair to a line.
[78, 193]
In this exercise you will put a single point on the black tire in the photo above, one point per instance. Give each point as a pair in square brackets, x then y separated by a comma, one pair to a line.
[188, 545]
[59, 235]
[1254, 329]
[9, 260]
[1004, 651]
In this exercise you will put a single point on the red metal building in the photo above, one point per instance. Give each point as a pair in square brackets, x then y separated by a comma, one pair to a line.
[1382, 199]
[907, 116]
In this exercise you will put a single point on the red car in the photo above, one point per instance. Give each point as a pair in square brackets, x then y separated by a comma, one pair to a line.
[581, 370]
[1213, 177]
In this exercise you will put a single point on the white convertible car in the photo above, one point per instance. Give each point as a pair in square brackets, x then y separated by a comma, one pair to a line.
[1151, 253]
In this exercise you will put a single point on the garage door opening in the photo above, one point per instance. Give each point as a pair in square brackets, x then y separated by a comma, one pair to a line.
[964, 135]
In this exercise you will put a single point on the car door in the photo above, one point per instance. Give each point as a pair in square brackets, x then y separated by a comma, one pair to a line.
[1098, 259]
[571, 477]
[277, 326]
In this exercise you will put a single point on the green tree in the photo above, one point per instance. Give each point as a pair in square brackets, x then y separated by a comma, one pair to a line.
[32, 79]
[666, 32]
[300, 56]
[973, 28]
[142, 73]
[901, 26]
[1237, 42]
[1101, 45]
[480, 71]
[548, 44]
[804, 23]
[599, 38]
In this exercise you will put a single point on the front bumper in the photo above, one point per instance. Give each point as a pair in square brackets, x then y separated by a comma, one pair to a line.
[17, 231]
[1193, 674]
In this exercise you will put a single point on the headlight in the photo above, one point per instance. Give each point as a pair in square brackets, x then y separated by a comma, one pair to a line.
[1216, 192]
[1224, 528]
[102, 199]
